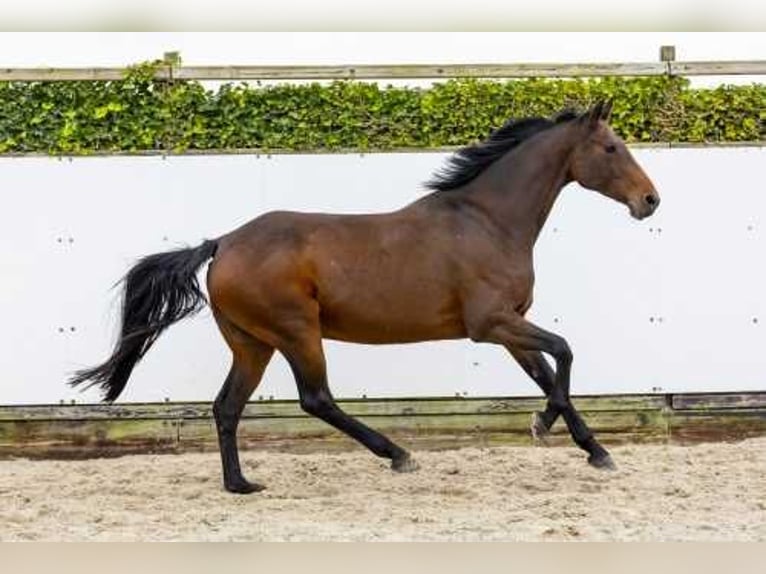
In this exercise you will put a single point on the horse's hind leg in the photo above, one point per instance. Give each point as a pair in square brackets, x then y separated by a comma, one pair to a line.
[307, 361]
[250, 357]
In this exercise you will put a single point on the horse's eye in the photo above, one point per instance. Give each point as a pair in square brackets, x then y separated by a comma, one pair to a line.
[610, 149]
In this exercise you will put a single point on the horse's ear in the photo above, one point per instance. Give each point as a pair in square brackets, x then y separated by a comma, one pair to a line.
[595, 114]
[606, 113]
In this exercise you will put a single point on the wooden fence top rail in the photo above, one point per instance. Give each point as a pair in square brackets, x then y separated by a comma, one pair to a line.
[395, 72]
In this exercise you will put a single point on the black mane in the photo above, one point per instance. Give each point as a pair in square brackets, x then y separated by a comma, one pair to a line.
[468, 162]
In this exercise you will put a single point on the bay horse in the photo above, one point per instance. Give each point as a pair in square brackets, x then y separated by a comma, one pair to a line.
[456, 263]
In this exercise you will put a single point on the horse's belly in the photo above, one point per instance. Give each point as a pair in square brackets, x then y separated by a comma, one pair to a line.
[384, 324]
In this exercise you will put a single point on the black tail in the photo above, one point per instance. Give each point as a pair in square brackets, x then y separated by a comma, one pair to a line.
[159, 290]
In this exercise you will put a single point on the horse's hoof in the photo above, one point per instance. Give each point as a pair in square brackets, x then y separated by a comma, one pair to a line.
[244, 487]
[404, 464]
[539, 431]
[603, 462]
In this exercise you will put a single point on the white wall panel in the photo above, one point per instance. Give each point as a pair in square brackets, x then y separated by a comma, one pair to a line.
[674, 302]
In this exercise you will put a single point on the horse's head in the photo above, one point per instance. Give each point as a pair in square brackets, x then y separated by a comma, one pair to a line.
[602, 162]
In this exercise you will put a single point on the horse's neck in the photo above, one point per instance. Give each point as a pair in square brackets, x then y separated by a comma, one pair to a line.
[519, 190]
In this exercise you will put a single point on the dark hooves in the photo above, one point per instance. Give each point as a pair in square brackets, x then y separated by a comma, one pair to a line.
[603, 462]
[540, 432]
[404, 464]
[244, 487]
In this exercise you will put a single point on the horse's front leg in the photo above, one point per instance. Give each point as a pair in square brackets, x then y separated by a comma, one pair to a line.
[534, 364]
[513, 331]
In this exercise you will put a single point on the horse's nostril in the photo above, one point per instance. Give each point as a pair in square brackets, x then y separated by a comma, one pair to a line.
[651, 200]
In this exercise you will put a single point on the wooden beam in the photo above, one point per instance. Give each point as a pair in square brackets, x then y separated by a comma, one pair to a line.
[355, 407]
[414, 71]
[393, 72]
[740, 68]
[721, 401]
[109, 430]
[61, 74]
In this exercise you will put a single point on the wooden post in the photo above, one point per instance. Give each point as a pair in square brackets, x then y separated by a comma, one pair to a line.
[171, 60]
[668, 56]
[667, 53]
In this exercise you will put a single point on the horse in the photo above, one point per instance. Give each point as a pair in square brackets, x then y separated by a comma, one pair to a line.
[456, 263]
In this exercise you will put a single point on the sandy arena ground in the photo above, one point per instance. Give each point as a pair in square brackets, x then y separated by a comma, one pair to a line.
[703, 492]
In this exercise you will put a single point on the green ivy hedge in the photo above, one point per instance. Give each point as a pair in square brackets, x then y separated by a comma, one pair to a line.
[140, 113]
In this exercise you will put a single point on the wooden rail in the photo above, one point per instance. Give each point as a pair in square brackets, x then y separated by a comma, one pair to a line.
[61, 431]
[395, 72]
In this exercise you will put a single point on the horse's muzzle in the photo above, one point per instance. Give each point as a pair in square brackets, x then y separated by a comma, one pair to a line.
[646, 206]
